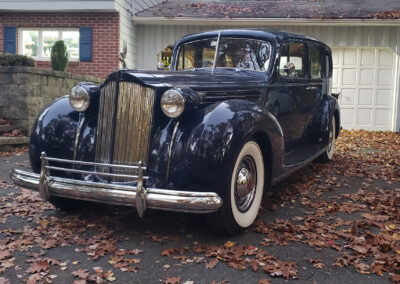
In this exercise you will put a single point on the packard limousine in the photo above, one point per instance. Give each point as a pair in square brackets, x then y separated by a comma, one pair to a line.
[239, 111]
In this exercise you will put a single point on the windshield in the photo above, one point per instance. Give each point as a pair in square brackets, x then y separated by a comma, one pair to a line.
[238, 53]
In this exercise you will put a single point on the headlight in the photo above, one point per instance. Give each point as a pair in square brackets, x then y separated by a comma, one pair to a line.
[172, 103]
[79, 98]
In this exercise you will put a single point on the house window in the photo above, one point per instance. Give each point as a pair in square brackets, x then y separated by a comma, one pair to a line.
[37, 43]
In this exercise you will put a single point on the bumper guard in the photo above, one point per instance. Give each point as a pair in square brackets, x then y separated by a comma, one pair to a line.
[113, 193]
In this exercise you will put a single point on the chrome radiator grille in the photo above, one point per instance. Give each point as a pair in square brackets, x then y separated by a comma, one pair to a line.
[127, 140]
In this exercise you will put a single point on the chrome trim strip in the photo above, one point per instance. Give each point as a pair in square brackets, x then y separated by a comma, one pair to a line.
[216, 53]
[93, 163]
[170, 147]
[94, 173]
[162, 199]
[78, 134]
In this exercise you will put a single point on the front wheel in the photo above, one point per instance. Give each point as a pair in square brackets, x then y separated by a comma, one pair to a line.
[244, 190]
[328, 154]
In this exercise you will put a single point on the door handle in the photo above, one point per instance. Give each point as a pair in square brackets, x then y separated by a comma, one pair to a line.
[311, 88]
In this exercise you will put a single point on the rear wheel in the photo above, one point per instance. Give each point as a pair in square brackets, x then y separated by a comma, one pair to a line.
[244, 190]
[328, 154]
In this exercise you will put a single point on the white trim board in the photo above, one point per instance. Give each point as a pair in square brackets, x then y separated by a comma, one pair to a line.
[36, 6]
[260, 21]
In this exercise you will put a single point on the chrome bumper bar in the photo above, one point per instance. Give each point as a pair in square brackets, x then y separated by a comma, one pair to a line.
[114, 193]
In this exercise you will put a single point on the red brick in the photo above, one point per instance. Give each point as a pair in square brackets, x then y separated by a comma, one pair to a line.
[105, 36]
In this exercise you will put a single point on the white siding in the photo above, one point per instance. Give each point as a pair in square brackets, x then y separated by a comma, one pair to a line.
[126, 9]
[153, 38]
[126, 30]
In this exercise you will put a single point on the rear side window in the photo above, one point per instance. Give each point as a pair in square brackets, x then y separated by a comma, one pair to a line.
[293, 60]
[317, 61]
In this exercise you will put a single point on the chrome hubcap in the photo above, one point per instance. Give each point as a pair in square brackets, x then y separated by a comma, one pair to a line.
[245, 187]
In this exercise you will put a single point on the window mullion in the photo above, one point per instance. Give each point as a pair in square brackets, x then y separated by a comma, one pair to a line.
[40, 53]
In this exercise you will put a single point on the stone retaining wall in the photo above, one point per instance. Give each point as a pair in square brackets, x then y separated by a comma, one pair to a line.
[25, 91]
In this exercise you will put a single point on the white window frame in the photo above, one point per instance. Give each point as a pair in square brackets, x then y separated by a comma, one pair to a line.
[40, 57]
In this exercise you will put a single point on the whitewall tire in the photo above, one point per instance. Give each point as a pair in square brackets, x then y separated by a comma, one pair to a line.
[245, 185]
[328, 154]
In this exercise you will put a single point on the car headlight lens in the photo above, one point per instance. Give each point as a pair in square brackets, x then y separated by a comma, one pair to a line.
[79, 98]
[172, 103]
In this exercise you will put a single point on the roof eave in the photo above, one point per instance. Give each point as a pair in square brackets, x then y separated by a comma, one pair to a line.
[261, 21]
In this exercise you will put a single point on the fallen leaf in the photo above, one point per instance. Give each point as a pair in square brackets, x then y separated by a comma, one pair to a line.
[172, 280]
[38, 266]
[81, 273]
[212, 263]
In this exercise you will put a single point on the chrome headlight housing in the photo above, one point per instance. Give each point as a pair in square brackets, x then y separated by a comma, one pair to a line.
[172, 103]
[79, 98]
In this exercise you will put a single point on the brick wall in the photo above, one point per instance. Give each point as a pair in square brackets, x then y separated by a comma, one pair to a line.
[105, 36]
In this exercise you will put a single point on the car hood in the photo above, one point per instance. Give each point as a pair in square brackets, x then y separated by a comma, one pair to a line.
[194, 79]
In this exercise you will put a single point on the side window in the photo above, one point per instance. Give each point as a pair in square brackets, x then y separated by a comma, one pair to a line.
[293, 60]
[197, 54]
[328, 66]
[316, 62]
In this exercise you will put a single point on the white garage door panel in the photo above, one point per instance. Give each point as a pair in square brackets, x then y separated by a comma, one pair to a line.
[365, 79]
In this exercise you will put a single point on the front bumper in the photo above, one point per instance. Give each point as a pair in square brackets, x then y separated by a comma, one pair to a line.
[114, 193]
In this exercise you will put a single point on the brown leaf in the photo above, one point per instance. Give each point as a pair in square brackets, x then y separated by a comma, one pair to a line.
[4, 280]
[4, 254]
[359, 249]
[81, 273]
[172, 280]
[38, 266]
[212, 263]
[33, 279]
[395, 278]
[169, 251]
[79, 281]
[264, 281]
[317, 263]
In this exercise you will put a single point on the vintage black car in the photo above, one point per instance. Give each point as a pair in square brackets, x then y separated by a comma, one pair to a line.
[239, 111]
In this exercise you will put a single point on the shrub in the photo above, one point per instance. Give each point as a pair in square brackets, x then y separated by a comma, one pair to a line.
[7, 59]
[59, 56]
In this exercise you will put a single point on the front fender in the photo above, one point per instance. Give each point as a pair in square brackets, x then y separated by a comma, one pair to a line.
[54, 132]
[202, 152]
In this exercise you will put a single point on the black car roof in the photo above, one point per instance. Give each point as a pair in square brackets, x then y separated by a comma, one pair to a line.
[278, 36]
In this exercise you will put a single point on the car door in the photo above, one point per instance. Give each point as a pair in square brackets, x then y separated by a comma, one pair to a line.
[316, 89]
[291, 100]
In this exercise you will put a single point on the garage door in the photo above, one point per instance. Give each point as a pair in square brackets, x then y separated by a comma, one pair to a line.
[365, 77]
